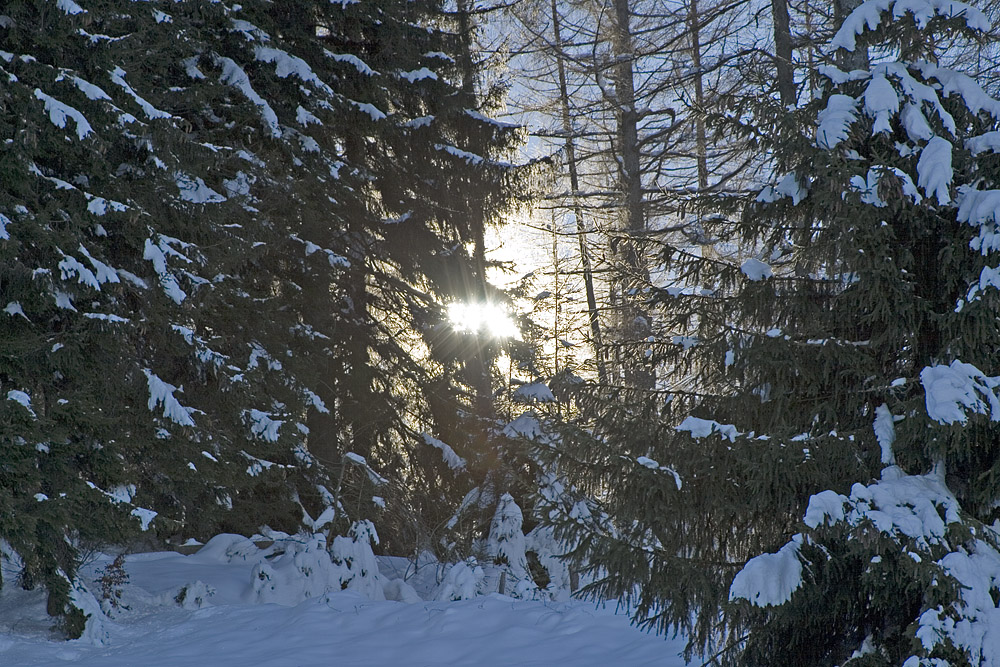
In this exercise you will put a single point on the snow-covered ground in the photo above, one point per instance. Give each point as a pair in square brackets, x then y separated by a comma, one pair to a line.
[220, 620]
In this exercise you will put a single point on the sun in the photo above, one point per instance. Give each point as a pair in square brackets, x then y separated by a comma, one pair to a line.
[487, 319]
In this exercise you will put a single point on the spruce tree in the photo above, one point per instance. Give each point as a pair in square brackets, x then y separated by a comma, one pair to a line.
[220, 220]
[831, 398]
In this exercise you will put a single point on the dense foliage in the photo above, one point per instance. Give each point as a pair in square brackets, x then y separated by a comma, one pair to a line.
[218, 222]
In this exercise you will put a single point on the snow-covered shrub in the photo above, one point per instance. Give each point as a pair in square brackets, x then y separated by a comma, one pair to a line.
[194, 595]
[113, 577]
[506, 549]
[357, 568]
[462, 581]
[300, 569]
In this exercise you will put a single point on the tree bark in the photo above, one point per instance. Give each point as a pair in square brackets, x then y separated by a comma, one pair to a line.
[574, 181]
[634, 320]
[783, 52]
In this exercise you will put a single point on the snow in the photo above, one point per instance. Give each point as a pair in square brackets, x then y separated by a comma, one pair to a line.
[536, 391]
[14, 308]
[868, 187]
[162, 393]
[755, 270]
[934, 172]
[118, 77]
[835, 120]
[233, 75]
[90, 90]
[952, 82]
[22, 398]
[702, 428]
[262, 426]
[156, 253]
[953, 389]
[304, 118]
[287, 65]
[881, 102]
[454, 461]
[351, 59]
[418, 75]
[370, 109]
[769, 579]
[4, 221]
[987, 142]
[69, 267]
[652, 464]
[868, 16]
[918, 507]
[59, 112]
[525, 426]
[203, 609]
[789, 186]
[885, 433]
[99, 205]
[194, 190]
[70, 7]
[980, 208]
[470, 158]
[506, 547]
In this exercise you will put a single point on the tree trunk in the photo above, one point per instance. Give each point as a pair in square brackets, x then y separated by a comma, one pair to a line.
[574, 181]
[634, 320]
[783, 52]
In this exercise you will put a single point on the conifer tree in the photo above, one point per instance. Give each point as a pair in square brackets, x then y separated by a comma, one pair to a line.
[218, 222]
[831, 401]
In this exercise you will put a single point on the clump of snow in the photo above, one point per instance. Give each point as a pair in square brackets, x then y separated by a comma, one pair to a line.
[536, 391]
[952, 390]
[418, 74]
[299, 569]
[351, 59]
[374, 112]
[59, 112]
[454, 461]
[702, 428]
[14, 308]
[193, 189]
[22, 398]
[769, 579]
[870, 185]
[915, 506]
[869, 14]
[881, 103]
[835, 120]
[262, 426]
[70, 7]
[934, 172]
[162, 393]
[885, 433]
[755, 270]
[157, 254]
[233, 75]
[287, 65]
[118, 77]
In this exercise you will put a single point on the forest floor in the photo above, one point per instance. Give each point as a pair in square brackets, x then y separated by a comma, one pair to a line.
[219, 623]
